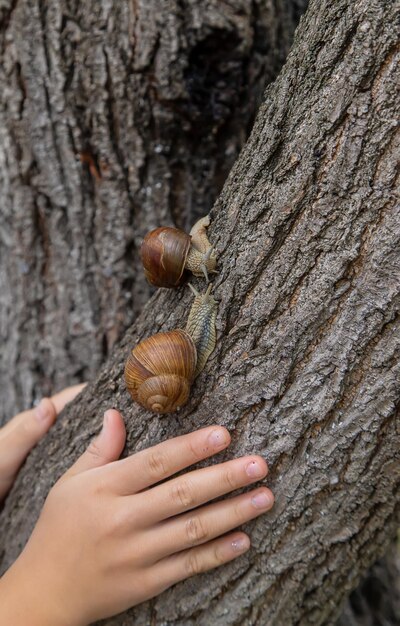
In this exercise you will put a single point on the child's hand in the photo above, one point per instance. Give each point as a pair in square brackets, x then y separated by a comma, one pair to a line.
[110, 536]
[22, 432]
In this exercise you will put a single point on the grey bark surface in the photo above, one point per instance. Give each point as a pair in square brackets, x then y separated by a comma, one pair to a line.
[376, 601]
[115, 117]
[307, 365]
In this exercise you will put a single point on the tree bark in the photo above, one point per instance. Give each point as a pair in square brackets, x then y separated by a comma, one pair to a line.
[307, 360]
[376, 601]
[114, 117]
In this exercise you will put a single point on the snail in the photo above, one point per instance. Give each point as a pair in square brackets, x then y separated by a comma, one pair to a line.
[160, 369]
[167, 252]
[201, 325]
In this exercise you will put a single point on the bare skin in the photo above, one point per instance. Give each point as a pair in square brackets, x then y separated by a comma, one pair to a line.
[22, 432]
[110, 536]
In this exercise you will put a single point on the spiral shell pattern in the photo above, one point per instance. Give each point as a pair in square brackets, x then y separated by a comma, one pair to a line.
[164, 252]
[160, 370]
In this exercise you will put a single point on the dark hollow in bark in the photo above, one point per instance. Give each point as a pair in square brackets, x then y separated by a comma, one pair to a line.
[376, 601]
[115, 117]
[306, 368]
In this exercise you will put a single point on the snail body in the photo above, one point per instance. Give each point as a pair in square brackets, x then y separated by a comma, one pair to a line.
[168, 252]
[160, 369]
[201, 326]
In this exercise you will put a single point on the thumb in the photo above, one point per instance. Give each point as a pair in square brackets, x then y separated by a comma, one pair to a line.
[104, 448]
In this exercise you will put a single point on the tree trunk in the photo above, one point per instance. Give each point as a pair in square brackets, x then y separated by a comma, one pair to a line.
[307, 361]
[114, 117]
[376, 602]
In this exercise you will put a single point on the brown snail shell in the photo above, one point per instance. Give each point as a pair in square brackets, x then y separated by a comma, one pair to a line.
[164, 252]
[160, 370]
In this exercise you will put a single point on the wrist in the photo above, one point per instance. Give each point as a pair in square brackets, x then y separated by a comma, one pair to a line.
[26, 601]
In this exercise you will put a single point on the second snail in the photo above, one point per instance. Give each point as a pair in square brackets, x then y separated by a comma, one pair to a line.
[161, 369]
[168, 253]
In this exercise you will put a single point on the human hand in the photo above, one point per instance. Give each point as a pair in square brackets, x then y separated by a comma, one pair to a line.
[22, 433]
[110, 536]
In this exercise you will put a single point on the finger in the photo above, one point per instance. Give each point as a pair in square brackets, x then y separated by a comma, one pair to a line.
[19, 436]
[62, 398]
[152, 465]
[201, 559]
[198, 487]
[24, 430]
[208, 522]
[106, 447]
[22, 433]
[28, 427]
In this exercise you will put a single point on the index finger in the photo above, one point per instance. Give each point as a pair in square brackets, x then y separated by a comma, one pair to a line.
[150, 466]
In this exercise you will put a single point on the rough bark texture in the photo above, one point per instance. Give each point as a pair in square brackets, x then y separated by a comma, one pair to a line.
[307, 362]
[114, 117]
[376, 602]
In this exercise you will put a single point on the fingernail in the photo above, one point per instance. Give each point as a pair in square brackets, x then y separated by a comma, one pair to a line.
[42, 411]
[261, 501]
[218, 438]
[241, 545]
[254, 470]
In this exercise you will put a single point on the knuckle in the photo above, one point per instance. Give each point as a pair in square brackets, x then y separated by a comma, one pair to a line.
[230, 480]
[157, 464]
[119, 520]
[238, 512]
[182, 494]
[218, 557]
[94, 450]
[96, 490]
[193, 449]
[193, 564]
[196, 531]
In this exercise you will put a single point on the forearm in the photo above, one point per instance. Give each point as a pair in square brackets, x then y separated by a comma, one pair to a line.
[25, 600]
